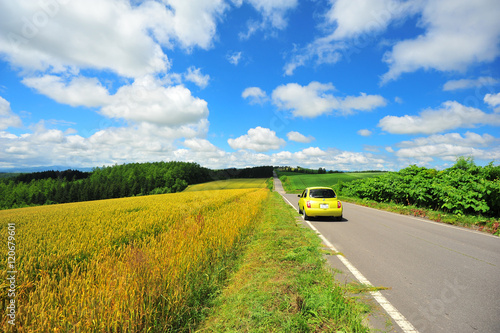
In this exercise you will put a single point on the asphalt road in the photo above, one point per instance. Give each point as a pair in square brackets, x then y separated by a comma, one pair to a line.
[441, 278]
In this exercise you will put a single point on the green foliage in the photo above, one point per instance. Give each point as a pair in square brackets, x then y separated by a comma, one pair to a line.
[103, 183]
[465, 188]
[67, 175]
[270, 183]
[232, 173]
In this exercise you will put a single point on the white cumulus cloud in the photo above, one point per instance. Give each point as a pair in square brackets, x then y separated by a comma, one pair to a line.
[458, 33]
[298, 137]
[273, 14]
[314, 100]
[470, 139]
[194, 75]
[255, 94]
[364, 132]
[492, 100]
[449, 146]
[469, 83]
[140, 143]
[354, 17]
[147, 101]
[7, 117]
[234, 58]
[449, 116]
[61, 36]
[64, 36]
[345, 21]
[258, 139]
[77, 91]
[194, 21]
[200, 145]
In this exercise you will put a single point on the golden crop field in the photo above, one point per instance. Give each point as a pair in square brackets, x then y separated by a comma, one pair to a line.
[122, 265]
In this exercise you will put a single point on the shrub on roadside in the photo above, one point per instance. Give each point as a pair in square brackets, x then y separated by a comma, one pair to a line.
[465, 188]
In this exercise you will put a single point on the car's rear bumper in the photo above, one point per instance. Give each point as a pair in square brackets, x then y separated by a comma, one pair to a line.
[337, 212]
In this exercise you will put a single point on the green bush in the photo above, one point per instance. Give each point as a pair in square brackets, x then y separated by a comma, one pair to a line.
[465, 188]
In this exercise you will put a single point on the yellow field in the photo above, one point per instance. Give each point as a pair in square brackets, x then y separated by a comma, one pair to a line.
[122, 265]
[228, 184]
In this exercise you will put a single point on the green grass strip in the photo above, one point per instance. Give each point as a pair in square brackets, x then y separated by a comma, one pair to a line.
[229, 184]
[283, 283]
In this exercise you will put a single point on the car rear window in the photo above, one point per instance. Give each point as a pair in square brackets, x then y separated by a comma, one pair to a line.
[322, 193]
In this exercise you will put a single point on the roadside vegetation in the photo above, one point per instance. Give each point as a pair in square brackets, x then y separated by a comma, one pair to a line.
[465, 188]
[476, 222]
[282, 283]
[465, 194]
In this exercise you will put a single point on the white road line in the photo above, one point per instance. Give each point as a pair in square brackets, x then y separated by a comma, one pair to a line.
[405, 325]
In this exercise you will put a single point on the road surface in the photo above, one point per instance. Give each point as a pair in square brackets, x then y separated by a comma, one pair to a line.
[441, 278]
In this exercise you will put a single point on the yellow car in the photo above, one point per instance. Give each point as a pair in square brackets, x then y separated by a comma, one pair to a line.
[320, 201]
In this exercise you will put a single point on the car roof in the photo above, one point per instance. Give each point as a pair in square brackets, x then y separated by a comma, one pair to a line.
[318, 188]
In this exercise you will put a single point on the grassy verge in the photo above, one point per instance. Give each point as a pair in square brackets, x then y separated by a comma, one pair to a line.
[480, 223]
[283, 284]
[270, 183]
[296, 182]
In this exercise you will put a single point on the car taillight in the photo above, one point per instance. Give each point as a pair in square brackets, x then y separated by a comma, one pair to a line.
[309, 204]
[339, 204]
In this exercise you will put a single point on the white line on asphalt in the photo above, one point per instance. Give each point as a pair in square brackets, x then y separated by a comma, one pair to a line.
[405, 325]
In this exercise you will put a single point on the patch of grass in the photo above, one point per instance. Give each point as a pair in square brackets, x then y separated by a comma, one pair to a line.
[297, 182]
[283, 283]
[480, 223]
[270, 183]
[358, 288]
[229, 184]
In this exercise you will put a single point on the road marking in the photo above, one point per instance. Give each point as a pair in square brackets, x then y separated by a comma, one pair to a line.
[402, 322]
[405, 325]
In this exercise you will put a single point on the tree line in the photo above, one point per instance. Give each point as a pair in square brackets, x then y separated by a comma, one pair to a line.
[67, 175]
[319, 171]
[52, 187]
[255, 172]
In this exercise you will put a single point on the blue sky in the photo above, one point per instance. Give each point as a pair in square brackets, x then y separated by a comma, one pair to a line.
[343, 85]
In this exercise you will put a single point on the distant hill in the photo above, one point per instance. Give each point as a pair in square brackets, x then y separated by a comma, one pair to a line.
[41, 168]
[9, 174]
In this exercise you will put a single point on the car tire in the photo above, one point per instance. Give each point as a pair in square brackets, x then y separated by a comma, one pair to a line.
[340, 218]
[304, 215]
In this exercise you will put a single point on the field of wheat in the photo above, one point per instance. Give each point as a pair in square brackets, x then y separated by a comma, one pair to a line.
[142, 264]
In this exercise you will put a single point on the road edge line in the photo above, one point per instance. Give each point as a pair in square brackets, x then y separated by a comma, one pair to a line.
[398, 318]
